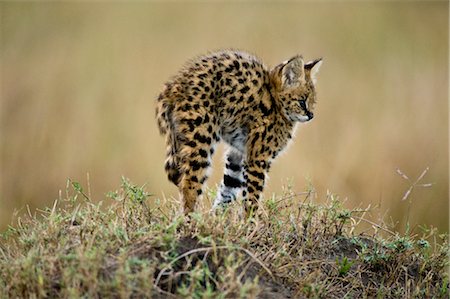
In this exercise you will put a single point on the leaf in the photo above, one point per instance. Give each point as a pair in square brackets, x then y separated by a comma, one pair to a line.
[77, 187]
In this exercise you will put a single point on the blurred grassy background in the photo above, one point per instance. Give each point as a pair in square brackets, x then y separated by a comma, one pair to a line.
[79, 82]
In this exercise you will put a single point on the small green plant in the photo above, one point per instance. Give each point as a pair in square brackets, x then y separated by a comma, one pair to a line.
[401, 244]
[78, 189]
[344, 265]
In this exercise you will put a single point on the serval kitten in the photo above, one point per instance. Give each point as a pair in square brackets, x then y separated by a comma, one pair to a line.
[232, 96]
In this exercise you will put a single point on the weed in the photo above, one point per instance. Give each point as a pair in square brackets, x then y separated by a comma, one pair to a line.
[344, 265]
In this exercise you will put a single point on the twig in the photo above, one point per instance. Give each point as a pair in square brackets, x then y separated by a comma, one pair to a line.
[88, 179]
[293, 196]
[164, 292]
[374, 224]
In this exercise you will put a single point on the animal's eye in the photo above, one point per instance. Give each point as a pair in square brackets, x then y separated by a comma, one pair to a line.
[303, 104]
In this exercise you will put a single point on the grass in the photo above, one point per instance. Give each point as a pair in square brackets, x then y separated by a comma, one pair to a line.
[141, 247]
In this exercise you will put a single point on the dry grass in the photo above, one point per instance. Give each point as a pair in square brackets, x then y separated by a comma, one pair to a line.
[140, 247]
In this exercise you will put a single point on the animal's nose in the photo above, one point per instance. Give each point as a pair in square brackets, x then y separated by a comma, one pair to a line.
[310, 115]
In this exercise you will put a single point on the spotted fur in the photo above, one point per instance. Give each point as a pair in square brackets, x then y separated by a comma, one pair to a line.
[232, 96]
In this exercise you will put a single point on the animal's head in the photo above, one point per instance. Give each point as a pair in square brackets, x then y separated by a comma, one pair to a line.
[293, 84]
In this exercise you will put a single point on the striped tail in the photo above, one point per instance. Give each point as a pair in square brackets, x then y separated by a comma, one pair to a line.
[164, 109]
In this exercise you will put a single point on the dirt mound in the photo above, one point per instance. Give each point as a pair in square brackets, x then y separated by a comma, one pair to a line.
[291, 249]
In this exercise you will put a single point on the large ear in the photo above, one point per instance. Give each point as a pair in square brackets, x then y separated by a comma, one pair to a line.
[293, 72]
[313, 68]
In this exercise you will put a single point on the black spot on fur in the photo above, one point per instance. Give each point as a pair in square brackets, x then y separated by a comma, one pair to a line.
[196, 165]
[191, 143]
[236, 65]
[244, 89]
[265, 110]
[255, 138]
[203, 153]
[201, 138]
[186, 107]
[215, 137]
[231, 182]
[198, 121]
[259, 175]
[233, 167]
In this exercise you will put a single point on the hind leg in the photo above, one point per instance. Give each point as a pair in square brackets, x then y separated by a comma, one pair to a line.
[233, 178]
[195, 167]
[195, 159]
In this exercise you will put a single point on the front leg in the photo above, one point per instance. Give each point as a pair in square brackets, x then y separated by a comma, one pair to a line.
[255, 171]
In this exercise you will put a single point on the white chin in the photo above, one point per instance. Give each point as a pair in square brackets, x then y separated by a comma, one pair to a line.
[303, 118]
